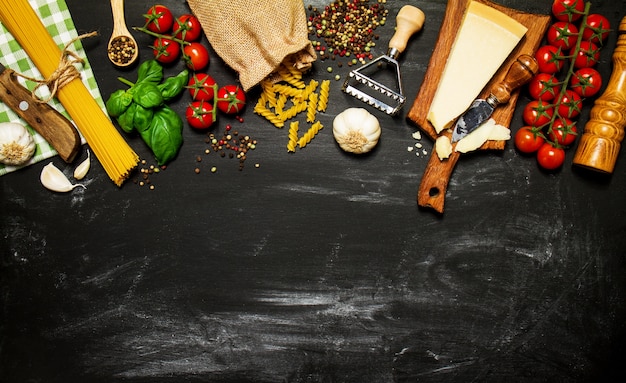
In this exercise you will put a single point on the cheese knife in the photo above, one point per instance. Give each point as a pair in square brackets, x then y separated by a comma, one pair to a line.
[519, 73]
[54, 127]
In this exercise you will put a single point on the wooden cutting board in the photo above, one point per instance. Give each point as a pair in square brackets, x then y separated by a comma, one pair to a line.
[433, 186]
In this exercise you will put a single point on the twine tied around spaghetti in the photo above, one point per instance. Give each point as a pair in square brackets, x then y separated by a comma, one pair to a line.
[65, 73]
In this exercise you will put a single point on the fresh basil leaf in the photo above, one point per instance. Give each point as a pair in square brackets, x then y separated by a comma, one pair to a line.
[118, 102]
[150, 71]
[165, 135]
[147, 95]
[172, 86]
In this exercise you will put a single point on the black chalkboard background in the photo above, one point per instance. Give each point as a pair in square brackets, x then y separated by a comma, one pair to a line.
[316, 266]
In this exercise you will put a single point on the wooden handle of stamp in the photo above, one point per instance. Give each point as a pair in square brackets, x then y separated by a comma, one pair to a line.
[601, 140]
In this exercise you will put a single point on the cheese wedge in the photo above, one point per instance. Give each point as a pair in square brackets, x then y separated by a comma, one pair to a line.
[483, 42]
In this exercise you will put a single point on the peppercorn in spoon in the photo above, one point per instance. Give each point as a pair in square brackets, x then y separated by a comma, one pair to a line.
[122, 49]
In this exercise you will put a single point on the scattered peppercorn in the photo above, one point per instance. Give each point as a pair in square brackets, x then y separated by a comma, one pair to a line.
[346, 28]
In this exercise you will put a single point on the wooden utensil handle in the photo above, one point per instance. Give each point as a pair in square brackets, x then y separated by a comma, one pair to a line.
[409, 20]
[600, 143]
[47, 121]
[519, 73]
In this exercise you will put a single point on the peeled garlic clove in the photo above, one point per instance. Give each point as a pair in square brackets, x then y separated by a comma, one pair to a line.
[81, 170]
[54, 179]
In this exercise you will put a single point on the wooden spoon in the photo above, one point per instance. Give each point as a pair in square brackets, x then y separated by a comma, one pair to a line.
[122, 49]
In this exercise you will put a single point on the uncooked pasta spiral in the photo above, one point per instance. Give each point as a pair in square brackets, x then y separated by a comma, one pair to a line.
[293, 136]
[311, 110]
[308, 136]
[322, 101]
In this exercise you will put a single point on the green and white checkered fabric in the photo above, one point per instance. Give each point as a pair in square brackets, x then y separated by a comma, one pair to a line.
[58, 20]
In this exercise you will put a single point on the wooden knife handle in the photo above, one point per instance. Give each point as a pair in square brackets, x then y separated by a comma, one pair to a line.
[47, 121]
[519, 73]
[601, 140]
[409, 20]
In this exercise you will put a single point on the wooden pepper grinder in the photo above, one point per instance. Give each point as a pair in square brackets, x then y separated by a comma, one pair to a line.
[600, 143]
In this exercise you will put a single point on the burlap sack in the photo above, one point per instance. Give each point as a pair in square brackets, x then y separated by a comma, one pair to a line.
[254, 36]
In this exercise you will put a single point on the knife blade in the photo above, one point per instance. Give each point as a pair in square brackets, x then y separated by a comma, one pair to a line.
[54, 127]
[519, 73]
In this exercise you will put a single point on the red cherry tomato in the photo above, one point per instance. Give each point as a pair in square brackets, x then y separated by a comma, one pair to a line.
[165, 50]
[587, 56]
[570, 104]
[196, 56]
[549, 59]
[537, 113]
[586, 82]
[200, 115]
[564, 132]
[159, 19]
[528, 140]
[543, 86]
[231, 99]
[550, 157]
[568, 10]
[187, 28]
[596, 29]
[201, 87]
[562, 35]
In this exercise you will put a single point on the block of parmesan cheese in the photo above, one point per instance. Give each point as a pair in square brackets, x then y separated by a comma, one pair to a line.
[484, 40]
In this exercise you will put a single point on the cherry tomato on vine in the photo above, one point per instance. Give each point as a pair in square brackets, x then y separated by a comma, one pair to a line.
[562, 34]
[543, 86]
[537, 113]
[550, 157]
[563, 131]
[568, 10]
[165, 51]
[587, 56]
[528, 140]
[159, 19]
[201, 87]
[586, 82]
[188, 28]
[597, 28]
[231, 99]
[196, 56]
[570, 105]
[200, 115]
[549, 59]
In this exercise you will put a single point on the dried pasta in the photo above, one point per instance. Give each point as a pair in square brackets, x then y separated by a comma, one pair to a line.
[322, 102]
[311, 110]
[262, 110]
[293, 136]
[308, 136]
[293, 111]
[117, 158]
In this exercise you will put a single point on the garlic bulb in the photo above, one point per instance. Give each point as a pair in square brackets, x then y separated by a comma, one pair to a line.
[17, 145]
[81, 170]
[356, 130]
[54, 179]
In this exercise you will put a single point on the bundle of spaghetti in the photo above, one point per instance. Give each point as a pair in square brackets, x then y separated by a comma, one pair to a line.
[117, 157]
[322, 101]
[293, 136]
[308, 136]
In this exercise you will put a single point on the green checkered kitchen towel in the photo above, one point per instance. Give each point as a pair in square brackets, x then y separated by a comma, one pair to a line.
[58, 20]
